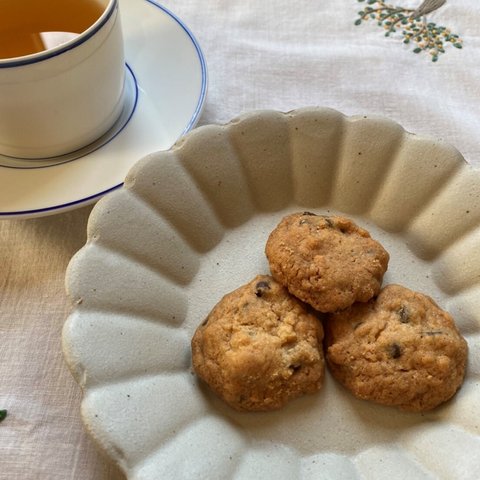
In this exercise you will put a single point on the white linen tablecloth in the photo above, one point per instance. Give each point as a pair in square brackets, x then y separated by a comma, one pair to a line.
[271, 54]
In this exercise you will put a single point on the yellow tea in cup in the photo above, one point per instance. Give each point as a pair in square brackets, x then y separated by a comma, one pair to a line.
[31, 26]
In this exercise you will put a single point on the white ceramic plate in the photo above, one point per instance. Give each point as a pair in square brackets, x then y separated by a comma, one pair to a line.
[191, 225]
[167, 82]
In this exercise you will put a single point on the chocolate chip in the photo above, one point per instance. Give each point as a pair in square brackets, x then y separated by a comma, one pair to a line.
[205, 322]
[433, 332]
[260, 288]
[295, 367]
[404, 314]
[329, 222]
[310, 213]
[394, 350]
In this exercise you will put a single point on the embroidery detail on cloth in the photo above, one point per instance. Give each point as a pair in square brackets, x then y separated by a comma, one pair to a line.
[412, 25]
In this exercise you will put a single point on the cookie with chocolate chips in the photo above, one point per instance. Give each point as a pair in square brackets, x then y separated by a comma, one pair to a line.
[399, 349]
[326, 261]
[259, 347]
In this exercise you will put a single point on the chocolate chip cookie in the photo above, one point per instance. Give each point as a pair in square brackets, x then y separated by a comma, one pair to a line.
[399, 349]
[259, 347]
[326, 261]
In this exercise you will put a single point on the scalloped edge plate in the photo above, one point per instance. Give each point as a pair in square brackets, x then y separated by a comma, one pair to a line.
[191, 225]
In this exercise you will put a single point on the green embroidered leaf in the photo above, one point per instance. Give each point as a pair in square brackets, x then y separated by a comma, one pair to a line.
[3, 415]
[410, 28]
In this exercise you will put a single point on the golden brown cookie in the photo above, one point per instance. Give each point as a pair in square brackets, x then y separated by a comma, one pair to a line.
[399, 349]
[326, 261]
[259, 347]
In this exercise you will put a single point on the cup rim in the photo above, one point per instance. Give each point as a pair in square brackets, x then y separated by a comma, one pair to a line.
[64, 47]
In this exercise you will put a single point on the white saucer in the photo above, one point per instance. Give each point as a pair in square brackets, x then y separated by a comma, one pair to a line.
[169, 76]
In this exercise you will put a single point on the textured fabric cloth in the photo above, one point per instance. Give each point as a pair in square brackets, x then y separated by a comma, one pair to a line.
[271, 54]
[284, 55]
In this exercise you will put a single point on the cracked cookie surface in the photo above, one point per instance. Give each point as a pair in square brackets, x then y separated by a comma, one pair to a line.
[399, 349]
[326, 261]
[259, 347]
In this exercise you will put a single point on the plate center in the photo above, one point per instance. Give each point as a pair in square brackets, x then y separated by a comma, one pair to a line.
[331, 419]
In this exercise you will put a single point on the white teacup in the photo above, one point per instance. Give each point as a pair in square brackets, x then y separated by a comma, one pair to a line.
[61, 99]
